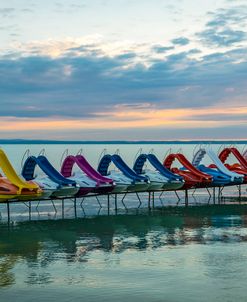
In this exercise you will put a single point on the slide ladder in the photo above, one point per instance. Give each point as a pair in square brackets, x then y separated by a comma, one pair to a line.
[198, 157]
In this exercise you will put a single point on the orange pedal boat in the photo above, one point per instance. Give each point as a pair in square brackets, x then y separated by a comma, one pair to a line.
[12, 186]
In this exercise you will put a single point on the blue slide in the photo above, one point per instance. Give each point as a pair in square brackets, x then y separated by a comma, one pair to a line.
[219, 178]
[142, 158]
[121, 165]
[221, 175]
[43, 163]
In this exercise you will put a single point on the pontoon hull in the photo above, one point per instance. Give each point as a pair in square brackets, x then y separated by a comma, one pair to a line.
[138, 187]
[65, 192]
[172, 186]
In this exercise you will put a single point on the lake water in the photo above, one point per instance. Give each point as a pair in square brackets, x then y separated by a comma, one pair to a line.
[169, 253]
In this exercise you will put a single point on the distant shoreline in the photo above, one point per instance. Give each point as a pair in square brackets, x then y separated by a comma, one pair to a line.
[122, 142]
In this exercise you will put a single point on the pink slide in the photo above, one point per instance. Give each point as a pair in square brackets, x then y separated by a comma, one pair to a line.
[84, 165]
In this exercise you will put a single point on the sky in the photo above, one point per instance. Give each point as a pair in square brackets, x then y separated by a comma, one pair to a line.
[123, 69]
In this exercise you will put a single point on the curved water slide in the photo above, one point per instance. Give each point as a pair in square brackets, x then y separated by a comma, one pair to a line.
[142, 158]
[121, 165]
[192, 176]
[217, 163]
[126, 177]
[160, 178]
[224, 154]
[56, 184]
[219, 178]
[240, 167]
[102, 184]
[13, 184]
[245, 154]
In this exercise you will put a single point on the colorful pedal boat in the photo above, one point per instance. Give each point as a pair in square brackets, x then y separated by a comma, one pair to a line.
[12, 186]
[160, 178]
[89, 180]
[193, 177]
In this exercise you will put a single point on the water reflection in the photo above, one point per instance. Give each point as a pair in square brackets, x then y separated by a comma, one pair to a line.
[6, 264]
[43, 243]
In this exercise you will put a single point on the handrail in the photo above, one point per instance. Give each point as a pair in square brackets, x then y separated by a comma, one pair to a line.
[167, 153]
[64, 154]
[80, 152]
[103, 153]
[199, 146]
[221, 147]
[42, 152]
[137, 154]
[27, 153]
[117, 152]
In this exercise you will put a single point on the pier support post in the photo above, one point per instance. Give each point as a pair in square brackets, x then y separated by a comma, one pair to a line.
[54, 207]
[99, 201]
[122, 200]
[149, 200]
[62, 208]
[37, 206]
[108, 204]
[177, 197]
[139, 199]
[239, 192]
[29, 209]
[75, 208]
[214, 195]
[186, 198]
[8, 212]
[193, 193]
[210, 195]
[115, 201]
[219, 193]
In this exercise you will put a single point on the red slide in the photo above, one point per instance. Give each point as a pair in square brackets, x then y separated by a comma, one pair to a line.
[240, 167]
[227, 151]
[192, 176]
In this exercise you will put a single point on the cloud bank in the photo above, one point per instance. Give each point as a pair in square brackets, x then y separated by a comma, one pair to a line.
[90, 83]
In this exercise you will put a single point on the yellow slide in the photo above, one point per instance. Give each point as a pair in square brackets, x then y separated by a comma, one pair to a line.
[24, 187]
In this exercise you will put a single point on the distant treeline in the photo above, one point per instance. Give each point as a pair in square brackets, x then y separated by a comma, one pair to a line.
[47, 142]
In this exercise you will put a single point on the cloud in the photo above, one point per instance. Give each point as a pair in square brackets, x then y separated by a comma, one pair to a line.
[85, 85]
[221, 38]
[27, 10]
[225, 27]
[91, 83]
[8, 28]
[134, 121]
[181, 41]
[126, 56]
[7, 12]
[162, 49]
[69, 8]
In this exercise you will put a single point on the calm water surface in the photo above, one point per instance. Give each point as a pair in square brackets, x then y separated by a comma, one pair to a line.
[170, 254]
[175, 254]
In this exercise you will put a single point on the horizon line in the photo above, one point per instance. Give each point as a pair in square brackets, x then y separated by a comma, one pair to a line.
[54, 141]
